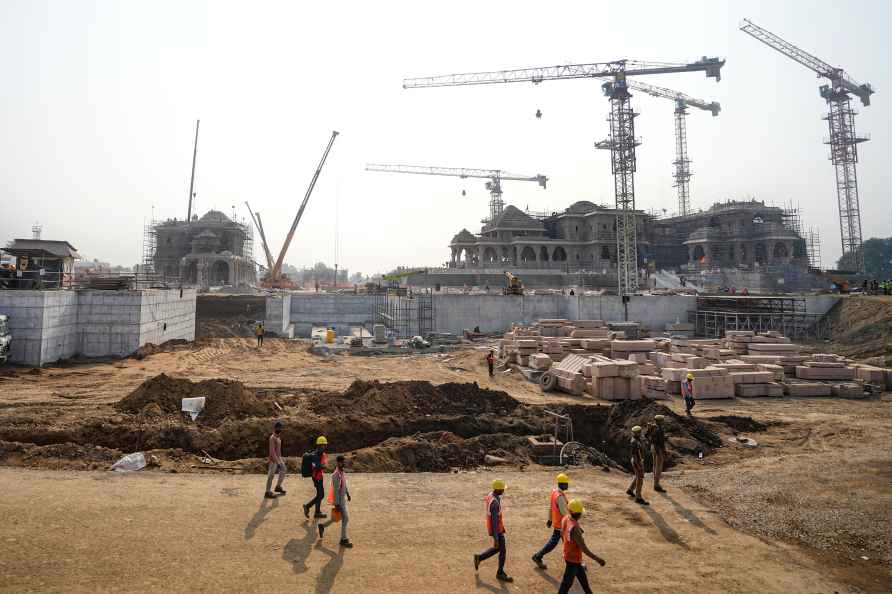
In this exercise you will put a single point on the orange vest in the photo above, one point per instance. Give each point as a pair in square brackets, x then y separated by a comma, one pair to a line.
[501, 527]
[556, 516]
[572, 552]
[343, 483]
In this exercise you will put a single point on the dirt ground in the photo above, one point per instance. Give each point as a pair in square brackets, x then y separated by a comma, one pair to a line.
[815, 496]
[93, 532]
[861, 326]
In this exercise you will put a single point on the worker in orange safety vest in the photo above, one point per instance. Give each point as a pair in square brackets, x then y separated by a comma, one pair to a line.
[495, 527]
[557, 509]
[574, 547]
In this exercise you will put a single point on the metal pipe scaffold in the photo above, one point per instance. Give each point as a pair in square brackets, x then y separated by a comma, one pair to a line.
[621, 143]
[494, 185]
[843, 139]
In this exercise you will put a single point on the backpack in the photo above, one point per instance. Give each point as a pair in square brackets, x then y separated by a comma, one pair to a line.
[306, 464]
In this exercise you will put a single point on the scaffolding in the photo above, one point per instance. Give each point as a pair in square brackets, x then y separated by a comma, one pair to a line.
[792, 218]
[405, 313]
[813, 244]
[149, 243]
[717, 314]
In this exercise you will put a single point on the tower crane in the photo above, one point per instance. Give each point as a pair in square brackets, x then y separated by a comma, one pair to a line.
[494, 185]
[621, 142]
[843, 140]
[682, 164]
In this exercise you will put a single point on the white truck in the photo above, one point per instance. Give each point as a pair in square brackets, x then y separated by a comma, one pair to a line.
[5, 338]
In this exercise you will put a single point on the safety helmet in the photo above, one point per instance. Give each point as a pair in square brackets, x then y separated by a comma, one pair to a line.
[321, 440]
[659, 418]
[563, 478]
[576, 507]
[636, 429]
[498, 485]
[690, 376]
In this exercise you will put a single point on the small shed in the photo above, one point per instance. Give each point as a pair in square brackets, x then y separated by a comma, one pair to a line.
[42, 263]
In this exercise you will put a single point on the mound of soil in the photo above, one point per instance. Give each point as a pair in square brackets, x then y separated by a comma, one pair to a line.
[738, 423]
[151, 348]
[861, 327]
[225, 316]
[415, 398]
[609, 429]
[225, 399]
[439, 451]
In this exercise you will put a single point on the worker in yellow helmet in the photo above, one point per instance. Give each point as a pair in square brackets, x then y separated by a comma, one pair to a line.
[495, 527]
[657, 438]
[637, 447]
[687, 392]
[557, 509]
[574, 547]
[317, 461]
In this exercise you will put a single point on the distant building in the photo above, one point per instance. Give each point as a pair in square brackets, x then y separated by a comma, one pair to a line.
[209, 251]
[41, 263]
[734, 234]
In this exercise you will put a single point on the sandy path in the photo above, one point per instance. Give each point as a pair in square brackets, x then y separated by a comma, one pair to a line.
[92, 532]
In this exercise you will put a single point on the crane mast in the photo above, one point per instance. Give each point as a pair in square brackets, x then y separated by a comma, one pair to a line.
[259, 225]
[276, 272]
[621, 142]
[494, 185]
[843, 140]
[682, 164]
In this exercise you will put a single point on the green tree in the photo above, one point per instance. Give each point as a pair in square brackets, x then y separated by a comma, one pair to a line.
[877, 258]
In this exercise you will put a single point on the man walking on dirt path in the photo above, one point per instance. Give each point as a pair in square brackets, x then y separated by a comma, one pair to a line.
[657, 438]
[574, 547]
[319, 461]
[634, 489]
[275, 462]
[491, 361]
[495, 527]
[259, 331]
[338, 497]
[687, 392]
[557, 509]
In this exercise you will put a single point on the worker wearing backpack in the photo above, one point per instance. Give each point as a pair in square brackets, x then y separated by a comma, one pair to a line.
[313, 465]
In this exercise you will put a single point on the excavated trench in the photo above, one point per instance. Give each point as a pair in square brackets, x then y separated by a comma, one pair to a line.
[399, 426]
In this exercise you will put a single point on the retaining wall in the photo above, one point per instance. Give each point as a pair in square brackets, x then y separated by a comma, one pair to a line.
[492, 313]
[50, 325]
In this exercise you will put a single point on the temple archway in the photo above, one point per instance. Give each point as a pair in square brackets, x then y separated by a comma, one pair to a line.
[559, 254]
[760, 253]
[490, 256]
[527, 255]
[219, 273]
[543, 254]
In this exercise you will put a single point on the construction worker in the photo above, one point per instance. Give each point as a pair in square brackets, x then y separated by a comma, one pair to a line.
[574, 547]
[318, 465]
[557, 509]
[338, 497]
[495, 527]
[259, 331]
[275, 462]
[657, 439]
[491, 361]
[637, 447]
[687, 392]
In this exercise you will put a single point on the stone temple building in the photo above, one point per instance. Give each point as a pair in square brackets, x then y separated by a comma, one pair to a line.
[209, 251]
[733, 234]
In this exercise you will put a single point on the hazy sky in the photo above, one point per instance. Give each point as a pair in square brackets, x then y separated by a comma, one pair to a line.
[99, 101]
